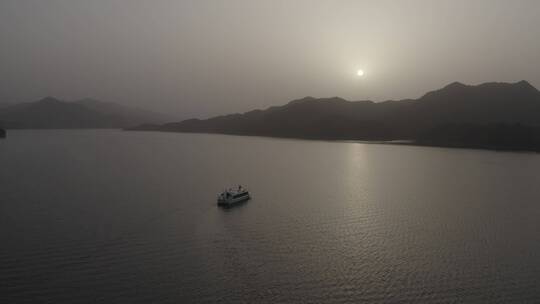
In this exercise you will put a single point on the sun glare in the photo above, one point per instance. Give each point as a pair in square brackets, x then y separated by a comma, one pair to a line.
[360, 73]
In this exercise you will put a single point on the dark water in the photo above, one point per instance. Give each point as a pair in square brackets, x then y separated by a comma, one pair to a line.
[130, 217]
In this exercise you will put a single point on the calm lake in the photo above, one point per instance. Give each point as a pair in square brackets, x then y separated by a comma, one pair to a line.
[109, 216]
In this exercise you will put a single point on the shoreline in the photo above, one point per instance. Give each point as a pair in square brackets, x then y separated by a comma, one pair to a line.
[404, 142]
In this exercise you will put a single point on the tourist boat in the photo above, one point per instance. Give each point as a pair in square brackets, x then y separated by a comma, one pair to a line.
[232, 196]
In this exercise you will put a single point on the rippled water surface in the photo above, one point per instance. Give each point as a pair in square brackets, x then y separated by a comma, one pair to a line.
[130, 217]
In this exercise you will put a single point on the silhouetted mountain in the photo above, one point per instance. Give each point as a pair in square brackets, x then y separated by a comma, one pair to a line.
[50, 112]
[335, 118]
[485, 103]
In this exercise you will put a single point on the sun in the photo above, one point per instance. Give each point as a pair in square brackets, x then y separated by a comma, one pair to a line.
[360, 73]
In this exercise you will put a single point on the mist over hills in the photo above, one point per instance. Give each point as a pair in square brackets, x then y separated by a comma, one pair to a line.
[490, 115]
[440, 117]
[52, 113]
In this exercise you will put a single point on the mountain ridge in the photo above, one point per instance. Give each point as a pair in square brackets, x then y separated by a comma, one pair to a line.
[410, 119]
[52, 113]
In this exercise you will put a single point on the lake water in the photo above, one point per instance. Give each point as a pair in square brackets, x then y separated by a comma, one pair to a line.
[103, 216]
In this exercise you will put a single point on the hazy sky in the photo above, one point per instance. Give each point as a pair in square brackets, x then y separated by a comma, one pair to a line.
[200, 58]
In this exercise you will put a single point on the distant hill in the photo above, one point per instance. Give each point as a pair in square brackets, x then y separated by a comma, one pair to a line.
[50, 113]
[501, 104]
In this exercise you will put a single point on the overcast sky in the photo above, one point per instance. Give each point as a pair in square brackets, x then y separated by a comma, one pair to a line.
[201, 58]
